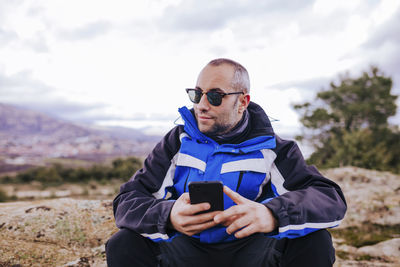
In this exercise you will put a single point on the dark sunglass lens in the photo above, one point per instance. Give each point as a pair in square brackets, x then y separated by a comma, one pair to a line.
[197, 96]
[194, 95]
[214, 98]
[191, 95]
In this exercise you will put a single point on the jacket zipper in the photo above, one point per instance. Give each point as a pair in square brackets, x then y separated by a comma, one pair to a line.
[240, 180]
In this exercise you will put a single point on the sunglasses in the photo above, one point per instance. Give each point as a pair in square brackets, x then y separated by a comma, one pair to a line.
[213, 97]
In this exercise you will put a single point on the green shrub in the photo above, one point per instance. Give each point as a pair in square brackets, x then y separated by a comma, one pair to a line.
[57, 173]
[3, 196]
[125, 168]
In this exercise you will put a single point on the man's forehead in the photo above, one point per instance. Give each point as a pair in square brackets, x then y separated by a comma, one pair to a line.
[215, 76]
[222, 68]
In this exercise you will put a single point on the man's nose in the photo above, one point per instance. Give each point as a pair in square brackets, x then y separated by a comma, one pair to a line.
[204, 104]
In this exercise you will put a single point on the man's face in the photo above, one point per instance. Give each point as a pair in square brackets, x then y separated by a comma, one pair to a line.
[218, 120]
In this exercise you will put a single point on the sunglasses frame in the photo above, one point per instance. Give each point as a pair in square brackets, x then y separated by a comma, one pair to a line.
[209, 97]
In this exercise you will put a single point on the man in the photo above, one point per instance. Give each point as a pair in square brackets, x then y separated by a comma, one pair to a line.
[276, 208]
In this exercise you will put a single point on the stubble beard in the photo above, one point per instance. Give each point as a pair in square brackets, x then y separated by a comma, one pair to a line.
[220, 127]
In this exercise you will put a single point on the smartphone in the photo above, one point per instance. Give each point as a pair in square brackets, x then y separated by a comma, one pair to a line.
[207, 191]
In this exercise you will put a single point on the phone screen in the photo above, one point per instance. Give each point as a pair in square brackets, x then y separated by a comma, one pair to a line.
[207, 191]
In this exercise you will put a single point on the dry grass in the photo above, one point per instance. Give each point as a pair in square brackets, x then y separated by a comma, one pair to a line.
[55, 232]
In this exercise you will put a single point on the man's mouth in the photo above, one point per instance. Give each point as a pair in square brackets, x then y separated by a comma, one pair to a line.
[203, 117]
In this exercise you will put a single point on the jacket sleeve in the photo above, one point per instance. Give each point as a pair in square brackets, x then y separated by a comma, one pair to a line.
[141, 204]
[305, 200]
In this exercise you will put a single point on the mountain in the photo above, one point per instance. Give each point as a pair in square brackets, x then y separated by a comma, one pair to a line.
[26, 135]
[16, 121]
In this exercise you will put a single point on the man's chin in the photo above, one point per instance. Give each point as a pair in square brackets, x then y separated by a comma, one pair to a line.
[211, 130]
[205, 130]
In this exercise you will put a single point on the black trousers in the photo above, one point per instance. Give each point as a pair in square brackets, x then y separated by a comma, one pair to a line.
[128, 248]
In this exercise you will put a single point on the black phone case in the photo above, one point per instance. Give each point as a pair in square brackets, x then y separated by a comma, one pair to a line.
[207, 191]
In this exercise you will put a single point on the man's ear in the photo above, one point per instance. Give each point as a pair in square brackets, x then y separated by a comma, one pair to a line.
[244, 102]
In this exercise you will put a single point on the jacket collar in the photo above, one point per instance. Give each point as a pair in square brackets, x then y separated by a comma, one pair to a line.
[259, 123]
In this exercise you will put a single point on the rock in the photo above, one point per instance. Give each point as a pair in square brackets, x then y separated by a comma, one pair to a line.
[371, 195]
[372, 198]
[389, 249]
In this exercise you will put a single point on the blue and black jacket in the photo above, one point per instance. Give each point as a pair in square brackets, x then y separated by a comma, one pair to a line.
[261, 167]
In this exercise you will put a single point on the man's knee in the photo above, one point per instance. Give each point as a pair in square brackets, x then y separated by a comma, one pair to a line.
[127, 247]
[119, 242]
[314, 249]
[321, 242]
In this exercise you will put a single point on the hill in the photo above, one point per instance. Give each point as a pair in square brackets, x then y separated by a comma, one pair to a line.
[28, 137]
[71, 232]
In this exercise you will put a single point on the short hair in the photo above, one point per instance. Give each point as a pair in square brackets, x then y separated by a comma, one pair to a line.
[241, 80]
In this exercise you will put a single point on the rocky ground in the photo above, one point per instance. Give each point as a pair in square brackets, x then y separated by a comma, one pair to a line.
[370, 233]
[57, 232]
[72, 232]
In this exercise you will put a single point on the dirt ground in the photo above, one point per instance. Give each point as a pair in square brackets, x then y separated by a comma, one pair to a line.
[58, 232]
[72, 232]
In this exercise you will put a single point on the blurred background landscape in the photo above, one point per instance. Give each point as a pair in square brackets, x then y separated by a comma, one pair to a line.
[38, 151]
[87, 88]
[58, 178]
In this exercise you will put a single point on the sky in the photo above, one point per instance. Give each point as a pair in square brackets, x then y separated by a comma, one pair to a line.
[127, 63]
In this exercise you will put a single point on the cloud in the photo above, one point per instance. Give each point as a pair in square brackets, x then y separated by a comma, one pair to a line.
[383, 48]
[37, 43]
[388, 32]
[307, 89]
[7, 7]
[87, 31]
[35, 10]
[21, 89]
[106, 118]
[211, 15]
[7, 37]
[305, 85]
[62, 108]
[21, 83]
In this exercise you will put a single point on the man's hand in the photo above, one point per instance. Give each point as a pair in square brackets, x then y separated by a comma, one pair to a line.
[247, 217]
[183, 217]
